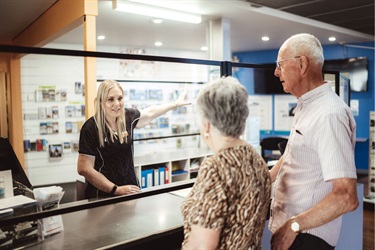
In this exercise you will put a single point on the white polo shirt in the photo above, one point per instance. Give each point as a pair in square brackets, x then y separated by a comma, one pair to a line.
[320, 148]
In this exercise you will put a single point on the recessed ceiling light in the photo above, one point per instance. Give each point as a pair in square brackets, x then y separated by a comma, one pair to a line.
[157, 21]
[156, 11]
[332, 39]
[158, 44]
[265, 38]
[101, 37]
[204, 48]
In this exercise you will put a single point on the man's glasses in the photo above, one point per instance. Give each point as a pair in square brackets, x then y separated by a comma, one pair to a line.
[278, 66]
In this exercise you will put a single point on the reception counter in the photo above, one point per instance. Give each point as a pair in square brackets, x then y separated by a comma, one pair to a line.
[155, 222]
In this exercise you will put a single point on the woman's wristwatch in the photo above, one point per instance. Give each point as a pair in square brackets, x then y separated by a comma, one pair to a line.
[113, 190]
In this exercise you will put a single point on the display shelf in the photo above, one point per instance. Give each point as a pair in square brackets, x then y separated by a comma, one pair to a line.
[171, 155]
[180, 170]
[169, 166]
[369, 199]
[179, 167]
[193, 175]
[180, 175]
[371, 163]
[194, 166]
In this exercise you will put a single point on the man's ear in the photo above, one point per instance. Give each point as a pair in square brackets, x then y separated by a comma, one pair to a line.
[304, 64]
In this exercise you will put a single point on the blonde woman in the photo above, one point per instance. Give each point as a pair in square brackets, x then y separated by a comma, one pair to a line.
[105, 145]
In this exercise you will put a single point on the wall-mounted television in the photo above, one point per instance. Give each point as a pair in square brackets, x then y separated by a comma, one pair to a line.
[356, 69]
[265, 82]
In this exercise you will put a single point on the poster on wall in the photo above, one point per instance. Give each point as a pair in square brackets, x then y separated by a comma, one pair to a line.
[284, 106]
[137, 69]
[354, 106]
[78, 87]
[55, 151]
[66, 149]
[252, 132]
[261, 106]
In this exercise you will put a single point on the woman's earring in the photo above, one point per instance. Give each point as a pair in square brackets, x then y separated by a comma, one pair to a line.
[125, 134]
[206, 135]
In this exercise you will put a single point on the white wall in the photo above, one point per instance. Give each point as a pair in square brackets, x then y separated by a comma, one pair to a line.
[62, 73]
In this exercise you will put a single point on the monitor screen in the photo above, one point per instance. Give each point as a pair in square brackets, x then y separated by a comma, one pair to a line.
[356, 69]
[9, 161]
[265, 82]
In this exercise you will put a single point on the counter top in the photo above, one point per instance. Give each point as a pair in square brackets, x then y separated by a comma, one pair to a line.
[118, 224]
[156, 222]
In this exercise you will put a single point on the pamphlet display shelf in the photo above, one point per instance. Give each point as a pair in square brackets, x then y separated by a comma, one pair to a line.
[169, 166]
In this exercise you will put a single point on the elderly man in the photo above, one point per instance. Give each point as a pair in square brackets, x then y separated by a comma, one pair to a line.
[315, 179]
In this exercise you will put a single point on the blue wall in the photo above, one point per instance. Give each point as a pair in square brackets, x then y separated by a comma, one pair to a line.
[331, 52]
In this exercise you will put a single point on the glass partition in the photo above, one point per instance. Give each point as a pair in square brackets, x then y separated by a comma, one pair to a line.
[53, 108]
[53, 111]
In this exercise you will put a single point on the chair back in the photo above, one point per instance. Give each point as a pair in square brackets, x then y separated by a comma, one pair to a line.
[271, 144]
[282, 146]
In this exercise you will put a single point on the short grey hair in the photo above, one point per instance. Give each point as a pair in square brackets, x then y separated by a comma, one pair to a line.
[308, 45]
[223, 102]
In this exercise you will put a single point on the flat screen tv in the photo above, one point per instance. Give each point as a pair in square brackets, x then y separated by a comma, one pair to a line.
[9, 161]
[265, 82]
[356, 69]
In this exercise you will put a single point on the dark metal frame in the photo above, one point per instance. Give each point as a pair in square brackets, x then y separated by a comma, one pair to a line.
[88, 204]
[81, 205]
[225, 70]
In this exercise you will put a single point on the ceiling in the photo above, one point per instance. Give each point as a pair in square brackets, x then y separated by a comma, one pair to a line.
[349, 21]
[356, 15]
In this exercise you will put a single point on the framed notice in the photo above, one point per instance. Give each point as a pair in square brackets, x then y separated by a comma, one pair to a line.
[55, 151]
[284, 106]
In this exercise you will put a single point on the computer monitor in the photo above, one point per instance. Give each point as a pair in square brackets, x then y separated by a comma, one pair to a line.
[356, 69]
[9, 161]
[265, 81]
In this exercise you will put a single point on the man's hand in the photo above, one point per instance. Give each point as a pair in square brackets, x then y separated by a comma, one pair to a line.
[283, 238]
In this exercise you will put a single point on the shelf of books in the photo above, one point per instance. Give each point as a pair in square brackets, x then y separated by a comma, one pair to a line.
[161, 168]
[194, 165]
[179, 170]
[371, 171]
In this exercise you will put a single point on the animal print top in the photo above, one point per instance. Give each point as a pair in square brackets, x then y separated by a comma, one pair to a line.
[232, 195]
